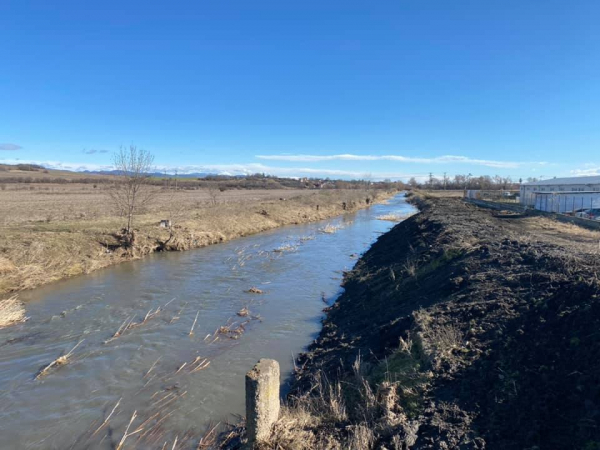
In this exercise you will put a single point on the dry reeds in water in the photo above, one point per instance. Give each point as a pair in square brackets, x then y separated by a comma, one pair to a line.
[152, 366]
[330, 229]
[244, 312]
[230, 331]
[127, 433]
[121, 329]
[194, 324]
[178, 315]
[286, 248]
[12, 311]
[209, 440]
[107, 418]
[393, 217]
[255, 290]
[199, 364]
[129, 324]
[60, 361]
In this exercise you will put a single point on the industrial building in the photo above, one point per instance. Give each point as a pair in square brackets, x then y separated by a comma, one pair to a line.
[562, 195]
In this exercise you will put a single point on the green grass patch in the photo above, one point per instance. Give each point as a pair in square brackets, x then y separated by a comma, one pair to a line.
[447, 257]
[407, 369]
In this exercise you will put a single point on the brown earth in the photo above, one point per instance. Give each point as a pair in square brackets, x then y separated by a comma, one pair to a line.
[457, 330]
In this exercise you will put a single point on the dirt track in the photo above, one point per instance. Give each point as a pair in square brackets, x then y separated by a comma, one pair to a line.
[487, 328]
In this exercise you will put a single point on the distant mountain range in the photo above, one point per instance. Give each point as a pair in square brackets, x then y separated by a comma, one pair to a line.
[166, 175]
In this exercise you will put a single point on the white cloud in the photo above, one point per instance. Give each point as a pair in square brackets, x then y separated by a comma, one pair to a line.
[232, 169]
[446, 159]
[590, 170]
[247, 169]
[94, 151]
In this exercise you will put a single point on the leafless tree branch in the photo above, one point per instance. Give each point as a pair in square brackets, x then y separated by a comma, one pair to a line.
[131, 190]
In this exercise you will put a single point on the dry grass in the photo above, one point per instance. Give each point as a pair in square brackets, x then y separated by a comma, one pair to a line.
[556, 228]
[55, 203]
[83, 233]
[6, 266]
[410, 266]
[439, 339]
[443, 194]
[361, 437]
[352, 413]
[444, 339]
[12, 311]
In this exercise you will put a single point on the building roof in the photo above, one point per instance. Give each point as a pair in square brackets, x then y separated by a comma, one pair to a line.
[570, 180]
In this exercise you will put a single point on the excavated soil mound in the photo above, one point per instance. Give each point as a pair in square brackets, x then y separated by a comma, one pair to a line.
[489, 329]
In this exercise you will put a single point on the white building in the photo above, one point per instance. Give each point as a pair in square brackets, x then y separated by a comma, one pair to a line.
[562, 194]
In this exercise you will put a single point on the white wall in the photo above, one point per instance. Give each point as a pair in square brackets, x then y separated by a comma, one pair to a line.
[528, 192]
[565, 203]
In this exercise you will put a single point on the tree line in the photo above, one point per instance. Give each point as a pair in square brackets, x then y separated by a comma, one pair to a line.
[468, 181]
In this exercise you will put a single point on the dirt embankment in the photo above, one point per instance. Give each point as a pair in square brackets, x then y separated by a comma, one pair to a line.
[457, 330]
[39, 252]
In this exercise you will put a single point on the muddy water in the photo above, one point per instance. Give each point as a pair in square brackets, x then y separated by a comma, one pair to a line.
[297, 268]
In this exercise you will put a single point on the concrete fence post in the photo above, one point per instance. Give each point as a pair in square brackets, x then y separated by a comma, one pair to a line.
[262, 400]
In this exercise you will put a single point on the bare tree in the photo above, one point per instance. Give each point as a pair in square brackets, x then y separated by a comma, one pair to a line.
[213, 194]
[131, 190]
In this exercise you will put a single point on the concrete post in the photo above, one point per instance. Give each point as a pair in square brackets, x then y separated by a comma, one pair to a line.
[262, 400]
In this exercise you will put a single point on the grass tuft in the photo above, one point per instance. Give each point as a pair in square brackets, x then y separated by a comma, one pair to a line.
[12, 311]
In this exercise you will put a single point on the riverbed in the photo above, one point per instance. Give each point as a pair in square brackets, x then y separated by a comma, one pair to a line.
[171, 337]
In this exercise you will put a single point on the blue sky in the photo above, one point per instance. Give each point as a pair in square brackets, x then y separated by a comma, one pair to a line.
[327, 88]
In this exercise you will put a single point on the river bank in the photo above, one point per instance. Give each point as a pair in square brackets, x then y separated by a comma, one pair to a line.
[457, 329]
[40, 252]
[171, 336]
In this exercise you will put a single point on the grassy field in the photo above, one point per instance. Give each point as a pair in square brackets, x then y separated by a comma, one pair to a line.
[27, 204]
[53, 231]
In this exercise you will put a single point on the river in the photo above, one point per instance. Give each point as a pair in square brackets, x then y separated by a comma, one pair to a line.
[177, 382]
